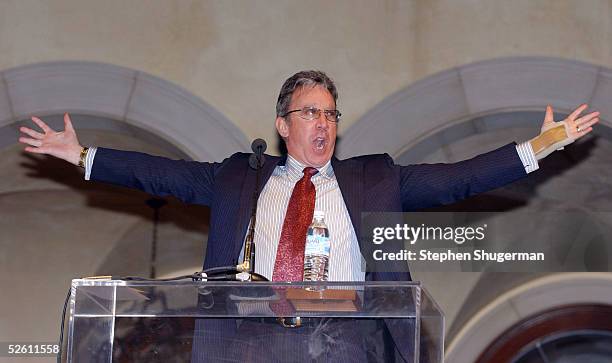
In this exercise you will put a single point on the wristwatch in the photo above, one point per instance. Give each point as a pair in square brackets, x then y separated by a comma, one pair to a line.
[83, 156]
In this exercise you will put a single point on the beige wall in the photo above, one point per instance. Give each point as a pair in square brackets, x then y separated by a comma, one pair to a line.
[452, 33]
[235, 55]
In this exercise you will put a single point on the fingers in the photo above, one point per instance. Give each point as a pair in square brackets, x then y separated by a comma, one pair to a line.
[587, 124]
[31, 142]
[586, 118]
[584, 124]
[572, 116]
[35, 150]
[31, 133]
[41, 124]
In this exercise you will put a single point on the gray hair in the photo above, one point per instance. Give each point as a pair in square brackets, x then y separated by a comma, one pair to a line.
[299, 80]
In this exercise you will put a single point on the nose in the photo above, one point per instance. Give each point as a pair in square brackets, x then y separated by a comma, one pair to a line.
[321, 121]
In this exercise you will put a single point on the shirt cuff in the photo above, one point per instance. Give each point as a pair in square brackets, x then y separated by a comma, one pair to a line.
[89, 159]
[527, 156]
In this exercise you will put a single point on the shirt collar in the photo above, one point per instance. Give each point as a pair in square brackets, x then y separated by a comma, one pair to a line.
[295, 169]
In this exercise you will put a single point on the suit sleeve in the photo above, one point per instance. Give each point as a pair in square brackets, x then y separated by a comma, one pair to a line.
[189, 181]
[430, 185]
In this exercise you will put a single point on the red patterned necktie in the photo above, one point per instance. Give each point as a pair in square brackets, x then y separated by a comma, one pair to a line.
[289, 263]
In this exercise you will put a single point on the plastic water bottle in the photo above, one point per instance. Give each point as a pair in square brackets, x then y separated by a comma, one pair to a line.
[316, 254]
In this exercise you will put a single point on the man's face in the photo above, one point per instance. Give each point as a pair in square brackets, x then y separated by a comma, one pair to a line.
[309, 142]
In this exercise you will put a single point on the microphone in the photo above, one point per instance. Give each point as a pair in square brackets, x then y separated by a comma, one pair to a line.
[259, 146]
[257, 159]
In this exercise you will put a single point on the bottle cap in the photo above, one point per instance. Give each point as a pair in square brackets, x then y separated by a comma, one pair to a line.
[319, 214]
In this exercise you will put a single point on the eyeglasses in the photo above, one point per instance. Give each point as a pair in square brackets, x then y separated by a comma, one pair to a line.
[313, 113]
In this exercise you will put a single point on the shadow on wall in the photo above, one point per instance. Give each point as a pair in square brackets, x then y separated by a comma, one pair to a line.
[130, 255]
[518, 194]
[109, 197]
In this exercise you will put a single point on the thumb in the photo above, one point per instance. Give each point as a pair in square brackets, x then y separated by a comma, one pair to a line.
[548, 116]
[68, 123]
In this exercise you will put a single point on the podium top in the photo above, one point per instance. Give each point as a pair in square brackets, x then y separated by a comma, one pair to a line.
[369, 299]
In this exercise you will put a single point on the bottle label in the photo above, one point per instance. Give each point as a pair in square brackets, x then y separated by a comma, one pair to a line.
[317, 245]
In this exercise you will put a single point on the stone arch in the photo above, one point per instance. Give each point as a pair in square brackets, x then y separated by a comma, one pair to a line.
[464, 93]
[55, 222]
[107, 100]
[130, 96]
[523, 301]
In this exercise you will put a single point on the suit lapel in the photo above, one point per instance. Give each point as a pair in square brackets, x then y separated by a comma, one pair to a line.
[349, 174]
[246, 197]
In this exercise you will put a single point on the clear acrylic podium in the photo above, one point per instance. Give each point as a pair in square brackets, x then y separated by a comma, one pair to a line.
[182, 321]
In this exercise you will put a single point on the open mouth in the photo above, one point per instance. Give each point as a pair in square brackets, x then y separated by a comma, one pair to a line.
[319, 143]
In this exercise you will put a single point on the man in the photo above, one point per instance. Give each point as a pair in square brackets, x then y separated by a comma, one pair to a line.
[307, 120]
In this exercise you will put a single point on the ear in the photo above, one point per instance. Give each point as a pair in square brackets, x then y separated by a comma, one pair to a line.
[282, 127]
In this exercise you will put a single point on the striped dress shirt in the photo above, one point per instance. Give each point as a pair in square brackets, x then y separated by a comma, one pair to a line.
[345, 260]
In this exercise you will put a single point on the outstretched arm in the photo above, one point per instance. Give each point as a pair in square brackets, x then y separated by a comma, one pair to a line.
[429, 185]
[61, 144]
[189, 181]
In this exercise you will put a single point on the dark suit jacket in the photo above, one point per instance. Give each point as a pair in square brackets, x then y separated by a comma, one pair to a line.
[371, 183]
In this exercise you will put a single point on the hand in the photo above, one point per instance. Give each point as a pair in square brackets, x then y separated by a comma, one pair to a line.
[576, 127]
[61, 144]
[555, 135]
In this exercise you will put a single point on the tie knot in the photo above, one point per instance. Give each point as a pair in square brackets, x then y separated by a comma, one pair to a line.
[310, 171]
